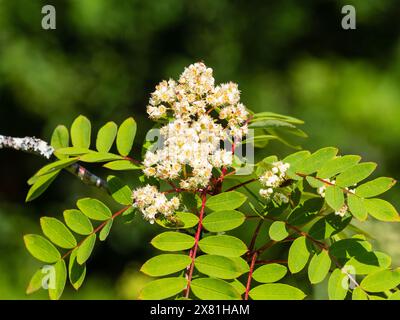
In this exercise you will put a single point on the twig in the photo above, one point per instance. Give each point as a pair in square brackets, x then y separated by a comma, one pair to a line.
[241, 184]
[101, 226]
[42, 148]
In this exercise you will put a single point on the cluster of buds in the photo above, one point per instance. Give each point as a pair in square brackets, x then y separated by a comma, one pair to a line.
[272, 179]
[151, 203]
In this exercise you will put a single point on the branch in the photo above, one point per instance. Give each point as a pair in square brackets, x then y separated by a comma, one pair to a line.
[42, 148]
[27, 144]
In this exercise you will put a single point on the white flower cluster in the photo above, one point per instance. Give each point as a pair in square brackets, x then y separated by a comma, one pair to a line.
[191, 141]
[273, 179]
[151, 202]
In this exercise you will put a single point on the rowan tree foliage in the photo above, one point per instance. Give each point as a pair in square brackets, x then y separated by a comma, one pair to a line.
[201, 189]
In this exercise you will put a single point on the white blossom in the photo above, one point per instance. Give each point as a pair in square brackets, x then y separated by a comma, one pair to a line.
[342, 211]
[151, 203]
[272, 179]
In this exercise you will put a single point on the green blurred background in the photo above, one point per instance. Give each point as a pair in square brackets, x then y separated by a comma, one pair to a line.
[105, 57]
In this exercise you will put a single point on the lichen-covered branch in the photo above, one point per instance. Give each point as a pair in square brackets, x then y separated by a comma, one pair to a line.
[27, 144]
[42, 148]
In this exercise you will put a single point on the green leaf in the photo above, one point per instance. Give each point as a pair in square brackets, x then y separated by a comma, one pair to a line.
[319, 267]
[359, 294]
[106, 137]
[357, 207]
[276, 291]
[381, 280]
[375, 187]
[314, 182]
[121, 165]
[372, 297]
[297, 157]
[316, 160]
[381, 210]
[85, 249]
[36, 282]
[173, 241]
[269, 273]
[334, 197]
[272, 115]
[41, 248]
[271, 123]
[258, 139]
[395, 296]
[105, 231]
[41, 185]
[72, 151]
[60, 273]
[78, 222]
[76, 272]
[277, 231]
[223, 245]
[125, 137]
[369, 262]
[328, 226]
[119, 190]
[355, 174]
[298, 255]
[57, 232]
[56, 165]
[60, 137]
[240, 288]
[163, 288]
[214, 289]
[347, 248]
[92, 157]
[223, 220]
[80, 132]
[165, 264]
[183, 220]
[337, 165]
[226, 201]
[221, 267]
[295, 160]
[338, 285]
[305, 212]
[94, 209]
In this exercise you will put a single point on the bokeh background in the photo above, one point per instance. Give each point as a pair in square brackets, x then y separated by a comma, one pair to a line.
[105, 57]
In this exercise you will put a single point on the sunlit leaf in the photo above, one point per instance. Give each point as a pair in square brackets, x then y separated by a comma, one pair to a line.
[41, 248]
[165, 264]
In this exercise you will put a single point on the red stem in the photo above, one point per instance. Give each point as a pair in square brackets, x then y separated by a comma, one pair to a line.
[101, 226]
[193, 252]
[253, 262]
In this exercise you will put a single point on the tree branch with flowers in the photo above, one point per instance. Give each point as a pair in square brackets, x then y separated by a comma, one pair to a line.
[223, 215]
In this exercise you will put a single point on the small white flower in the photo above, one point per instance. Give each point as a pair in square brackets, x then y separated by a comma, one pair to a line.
[342, 211]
